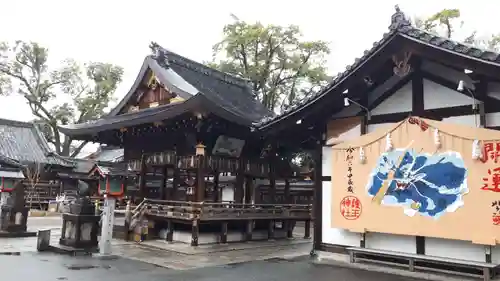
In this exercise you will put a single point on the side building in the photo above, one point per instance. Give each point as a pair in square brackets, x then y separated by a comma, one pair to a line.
[448, 87]
[24, 148]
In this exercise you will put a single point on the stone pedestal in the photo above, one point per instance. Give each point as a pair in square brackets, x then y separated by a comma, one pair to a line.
[14, 214]
[80, 226]
[13, 219]
[80, 231]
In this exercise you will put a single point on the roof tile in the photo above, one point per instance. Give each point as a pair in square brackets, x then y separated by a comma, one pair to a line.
[24, 143]
[399, 25]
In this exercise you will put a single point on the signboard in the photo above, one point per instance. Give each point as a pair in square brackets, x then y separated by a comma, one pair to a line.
[420, 177]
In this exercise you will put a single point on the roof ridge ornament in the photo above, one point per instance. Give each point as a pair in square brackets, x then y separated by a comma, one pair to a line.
[159, 54]
[399, 19]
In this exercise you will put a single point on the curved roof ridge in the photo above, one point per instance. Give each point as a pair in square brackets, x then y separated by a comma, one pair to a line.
[400, 26]
[197, 66]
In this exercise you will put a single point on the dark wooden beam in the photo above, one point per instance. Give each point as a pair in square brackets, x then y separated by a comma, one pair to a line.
[436, 114]
[444, 82]
[482, 95]
[417, 89]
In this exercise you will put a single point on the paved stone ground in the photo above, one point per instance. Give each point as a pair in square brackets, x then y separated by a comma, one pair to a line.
[157, 260]
[45, 267]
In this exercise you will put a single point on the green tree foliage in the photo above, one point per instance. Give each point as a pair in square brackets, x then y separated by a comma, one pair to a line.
[281, 65]
[450, 20]
[69, 94]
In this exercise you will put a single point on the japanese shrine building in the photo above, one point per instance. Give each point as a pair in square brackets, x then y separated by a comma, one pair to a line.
[408, 72]
[183, 128]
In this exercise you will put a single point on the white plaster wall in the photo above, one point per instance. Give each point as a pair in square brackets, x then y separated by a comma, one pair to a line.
[447, 73]
[391, 242]
[493, 119]
[468, 120]
[332, 235]
[373, 127]
[228, 193]
[401, 101]
[494, 90]
[345, 136]
[437, 96]
[454, 249]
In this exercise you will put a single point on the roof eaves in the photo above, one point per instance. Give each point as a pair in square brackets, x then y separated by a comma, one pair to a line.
[131, 119]
[339, 78]
[451, 46]
[400, 26]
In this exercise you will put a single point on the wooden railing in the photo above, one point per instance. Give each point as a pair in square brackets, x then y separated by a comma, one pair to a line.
[225, 211]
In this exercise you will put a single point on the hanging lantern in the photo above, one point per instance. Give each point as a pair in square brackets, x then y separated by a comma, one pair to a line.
[362, 156]
[437, 140]
[388, 143]
[477, 152]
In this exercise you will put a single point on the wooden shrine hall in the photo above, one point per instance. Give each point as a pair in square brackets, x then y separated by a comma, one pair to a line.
[182, 126]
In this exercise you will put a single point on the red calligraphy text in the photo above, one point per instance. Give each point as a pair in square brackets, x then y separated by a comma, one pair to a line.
[491, 151]
[492, 181]
[496, 219]
[351, 208]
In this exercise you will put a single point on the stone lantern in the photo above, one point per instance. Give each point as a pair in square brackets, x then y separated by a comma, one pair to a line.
[13, 210]
[81, 225]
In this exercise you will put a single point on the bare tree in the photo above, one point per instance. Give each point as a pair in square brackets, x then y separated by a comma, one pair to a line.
[33, 177]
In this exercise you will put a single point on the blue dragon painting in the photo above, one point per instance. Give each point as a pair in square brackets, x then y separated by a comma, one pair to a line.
[429, 184]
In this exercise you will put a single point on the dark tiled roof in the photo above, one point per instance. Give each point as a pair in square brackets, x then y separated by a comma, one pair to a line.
[400, 26]
[188, 78]
[107, 154]
[226, 95]
[230, 92]
[113, 169]
[23, 142]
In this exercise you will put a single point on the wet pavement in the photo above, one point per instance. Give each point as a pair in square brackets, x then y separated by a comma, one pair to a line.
[158, 260]
[45, 267]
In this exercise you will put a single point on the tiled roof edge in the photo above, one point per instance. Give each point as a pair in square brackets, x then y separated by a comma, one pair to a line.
[400, 25]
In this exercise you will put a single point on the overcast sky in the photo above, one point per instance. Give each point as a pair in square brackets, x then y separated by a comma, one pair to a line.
[120, 31]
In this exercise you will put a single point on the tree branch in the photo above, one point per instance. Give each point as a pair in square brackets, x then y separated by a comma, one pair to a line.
[78, 149]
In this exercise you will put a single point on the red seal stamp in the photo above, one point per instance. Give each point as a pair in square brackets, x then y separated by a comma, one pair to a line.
[351, 208]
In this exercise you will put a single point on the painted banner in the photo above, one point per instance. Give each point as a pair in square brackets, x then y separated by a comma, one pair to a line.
[420, 177]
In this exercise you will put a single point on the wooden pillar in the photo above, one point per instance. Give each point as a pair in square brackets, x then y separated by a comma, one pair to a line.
[270, 230]
[272, 174]
[307, 229]
[248, 230]
[288, 225]
[482, 95]
[215, 195]
[200, 179]
[163, 188]
[288, 197]
[142, 183]
[417, 88]
[240, 179]
[223, 233]
[318, 191]
[170, 231]
[249, 190]
[175, 183]
[195, 232]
